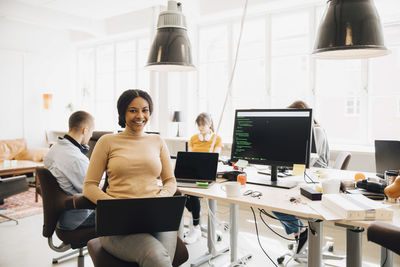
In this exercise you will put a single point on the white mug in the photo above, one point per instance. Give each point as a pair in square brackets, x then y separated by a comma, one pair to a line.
[330, 186]
[232, 189]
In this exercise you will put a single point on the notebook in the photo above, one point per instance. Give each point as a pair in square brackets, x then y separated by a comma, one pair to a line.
[387, 153]
[196, 169]
[138, 215]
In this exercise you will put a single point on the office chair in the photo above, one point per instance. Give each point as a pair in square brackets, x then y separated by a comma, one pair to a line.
[385, 234]
[93, 140]
[101, 258]
[12, 186]
[303, 256]
[342, 161]
[55, 202]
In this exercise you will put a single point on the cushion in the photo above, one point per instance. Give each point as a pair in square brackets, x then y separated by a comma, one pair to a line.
[10, 148]
[33, 154]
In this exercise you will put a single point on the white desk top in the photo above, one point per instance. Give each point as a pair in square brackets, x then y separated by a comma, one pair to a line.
[277, 199]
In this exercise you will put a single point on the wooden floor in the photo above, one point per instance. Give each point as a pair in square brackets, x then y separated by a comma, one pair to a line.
[23, 244]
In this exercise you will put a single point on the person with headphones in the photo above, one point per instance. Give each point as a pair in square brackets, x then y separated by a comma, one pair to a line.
[67, 162]
[200, 142]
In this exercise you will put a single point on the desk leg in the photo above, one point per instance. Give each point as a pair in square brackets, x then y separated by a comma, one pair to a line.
[211, 226]
[314, 244]
[386, 257]
[211, 238]
[234, 214]
[234, 233]
[354, 247]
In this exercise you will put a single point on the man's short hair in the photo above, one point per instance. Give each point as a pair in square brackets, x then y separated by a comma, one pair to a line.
[80, 119]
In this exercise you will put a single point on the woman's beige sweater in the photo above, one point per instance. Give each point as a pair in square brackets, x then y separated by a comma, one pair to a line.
[133, 163]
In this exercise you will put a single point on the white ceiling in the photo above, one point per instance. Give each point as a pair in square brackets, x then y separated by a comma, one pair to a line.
[94, 9]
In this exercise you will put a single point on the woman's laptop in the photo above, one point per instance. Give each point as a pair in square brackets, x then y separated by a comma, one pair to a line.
[139, 215]
[196, 169]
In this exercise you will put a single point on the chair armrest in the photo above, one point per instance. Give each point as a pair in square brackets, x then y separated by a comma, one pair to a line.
[385, 234]
[78, 201]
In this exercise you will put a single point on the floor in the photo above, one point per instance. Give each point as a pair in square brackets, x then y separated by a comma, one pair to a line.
[23, 244]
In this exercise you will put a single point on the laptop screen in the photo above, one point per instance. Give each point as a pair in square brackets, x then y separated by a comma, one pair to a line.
[196, 166]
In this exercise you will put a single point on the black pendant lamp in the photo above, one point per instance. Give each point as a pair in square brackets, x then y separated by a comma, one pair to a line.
[171, 49]
[350, 29]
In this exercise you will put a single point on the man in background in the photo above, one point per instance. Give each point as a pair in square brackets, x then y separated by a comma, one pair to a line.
[66, 160]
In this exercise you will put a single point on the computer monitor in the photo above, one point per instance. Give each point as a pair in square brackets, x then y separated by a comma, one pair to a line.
[387, 154]
[275, 137]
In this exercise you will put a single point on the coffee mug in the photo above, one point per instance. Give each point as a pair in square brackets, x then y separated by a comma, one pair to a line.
[232, 189]
[330, 186]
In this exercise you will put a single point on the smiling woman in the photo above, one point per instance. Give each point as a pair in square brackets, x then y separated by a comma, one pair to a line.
[133, 161]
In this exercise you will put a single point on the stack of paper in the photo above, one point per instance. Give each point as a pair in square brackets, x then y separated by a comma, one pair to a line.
[356, 207]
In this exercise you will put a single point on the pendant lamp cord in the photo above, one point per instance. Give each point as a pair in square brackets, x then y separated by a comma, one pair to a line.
[228, 92]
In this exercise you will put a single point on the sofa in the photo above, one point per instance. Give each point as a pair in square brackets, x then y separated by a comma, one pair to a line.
[17, 149]
[27, 160]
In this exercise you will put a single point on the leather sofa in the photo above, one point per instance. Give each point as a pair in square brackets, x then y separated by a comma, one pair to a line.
[28, 159]
[18, 149]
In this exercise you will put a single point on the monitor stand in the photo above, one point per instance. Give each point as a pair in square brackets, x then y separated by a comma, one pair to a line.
[274, 182]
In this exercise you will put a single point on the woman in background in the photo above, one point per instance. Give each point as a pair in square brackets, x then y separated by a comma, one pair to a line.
[200, 142]
[133, 160]
[290, 223]
[321, 141]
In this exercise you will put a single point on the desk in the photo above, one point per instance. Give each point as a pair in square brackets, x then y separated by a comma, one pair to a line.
[354, 231]
[23, 166]
[275, 199]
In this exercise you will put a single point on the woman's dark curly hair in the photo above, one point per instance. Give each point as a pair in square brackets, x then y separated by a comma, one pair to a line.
[126, 98]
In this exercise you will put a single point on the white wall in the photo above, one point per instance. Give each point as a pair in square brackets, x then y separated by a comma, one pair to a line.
[34, 60]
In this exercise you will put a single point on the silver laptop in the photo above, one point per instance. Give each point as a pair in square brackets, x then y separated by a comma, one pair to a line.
[196, 169]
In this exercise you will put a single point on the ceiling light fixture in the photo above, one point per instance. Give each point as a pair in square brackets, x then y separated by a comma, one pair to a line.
[350, 29]
[171, 49]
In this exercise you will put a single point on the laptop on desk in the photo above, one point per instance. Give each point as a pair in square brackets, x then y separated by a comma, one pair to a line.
[138, 215]
[196, 169]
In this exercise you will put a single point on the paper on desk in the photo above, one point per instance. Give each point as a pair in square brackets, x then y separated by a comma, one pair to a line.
[242, 163]
[324, 212]
[329, 215]
[298, 169]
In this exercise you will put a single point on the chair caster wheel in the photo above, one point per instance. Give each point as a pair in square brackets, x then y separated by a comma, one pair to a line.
[280, 260]
[329, 246]
[219, 238]
[55, 261]
[290, 246]
[226, 227]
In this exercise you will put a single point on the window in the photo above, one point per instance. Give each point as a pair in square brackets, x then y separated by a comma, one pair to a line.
[105, 71]
[353, 106]
[354, 100]
[384, 89]
[213, 70]
[289, 64]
